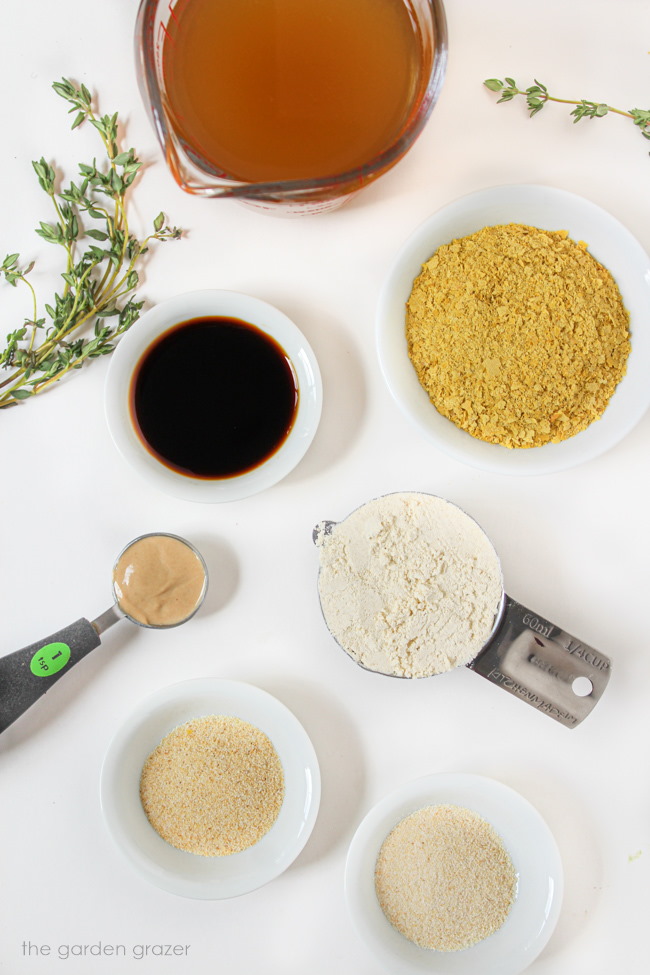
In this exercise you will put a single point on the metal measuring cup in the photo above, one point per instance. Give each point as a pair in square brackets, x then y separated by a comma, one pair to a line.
[530, 657]
[27, 674]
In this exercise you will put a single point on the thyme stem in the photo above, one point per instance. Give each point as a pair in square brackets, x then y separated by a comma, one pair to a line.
[537, 96]
[100, 274]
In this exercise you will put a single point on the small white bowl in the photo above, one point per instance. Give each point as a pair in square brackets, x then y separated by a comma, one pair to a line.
[548, 208]
[187, 874]
[534, 855]
[219, 304]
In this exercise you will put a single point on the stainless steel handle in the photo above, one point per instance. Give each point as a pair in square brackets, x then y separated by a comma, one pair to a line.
[543, 665]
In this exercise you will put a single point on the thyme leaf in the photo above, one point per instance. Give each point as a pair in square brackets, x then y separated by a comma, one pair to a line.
[537, 96]
[96, 303]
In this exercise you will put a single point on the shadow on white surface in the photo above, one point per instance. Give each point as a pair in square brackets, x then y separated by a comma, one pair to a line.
[223, 572]
[345, 399]
[342, 765]
[574, 830]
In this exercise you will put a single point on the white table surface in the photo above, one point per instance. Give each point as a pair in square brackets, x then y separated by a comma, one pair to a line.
[574, 545]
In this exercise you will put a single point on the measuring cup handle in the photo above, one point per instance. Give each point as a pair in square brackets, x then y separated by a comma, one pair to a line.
[28, 673]
[543, 665]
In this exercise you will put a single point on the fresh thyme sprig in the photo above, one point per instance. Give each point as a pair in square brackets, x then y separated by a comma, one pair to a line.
[537, 96]
[100, 277]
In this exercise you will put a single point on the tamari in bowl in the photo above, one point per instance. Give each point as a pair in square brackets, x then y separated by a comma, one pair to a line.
[169, 319]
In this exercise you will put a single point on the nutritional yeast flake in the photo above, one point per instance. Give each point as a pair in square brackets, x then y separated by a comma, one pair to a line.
[518, 335]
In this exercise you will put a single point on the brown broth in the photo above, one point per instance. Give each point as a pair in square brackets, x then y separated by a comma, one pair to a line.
[289, 89]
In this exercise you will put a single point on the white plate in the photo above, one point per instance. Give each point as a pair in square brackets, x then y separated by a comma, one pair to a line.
[550, 209]
[225, 304]
[185, 873]
[532, 849]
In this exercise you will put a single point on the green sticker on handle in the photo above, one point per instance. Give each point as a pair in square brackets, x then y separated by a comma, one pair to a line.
[50, 659]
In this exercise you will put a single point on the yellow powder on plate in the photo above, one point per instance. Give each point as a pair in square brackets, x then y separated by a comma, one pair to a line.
[518, 335]
[444, 879]
[213, 786]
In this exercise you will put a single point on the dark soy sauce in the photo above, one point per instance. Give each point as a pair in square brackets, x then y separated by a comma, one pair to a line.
[213, 397]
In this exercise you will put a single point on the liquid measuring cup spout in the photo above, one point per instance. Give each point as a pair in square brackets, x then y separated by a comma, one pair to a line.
[288, 105]
[411, 586]
[159, 580]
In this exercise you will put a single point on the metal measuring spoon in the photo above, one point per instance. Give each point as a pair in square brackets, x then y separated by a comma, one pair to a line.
[27, 674]
[530, 657]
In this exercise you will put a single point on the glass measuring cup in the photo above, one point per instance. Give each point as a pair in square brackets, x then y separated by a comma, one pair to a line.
[27, 674]
[523, 653]
[191, 164]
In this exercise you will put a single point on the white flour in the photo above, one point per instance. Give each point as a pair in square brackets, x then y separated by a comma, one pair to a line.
[409, 585]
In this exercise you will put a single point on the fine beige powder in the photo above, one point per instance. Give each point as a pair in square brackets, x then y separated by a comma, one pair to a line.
[444, 879]
[159, 580]
[213, 786]
[409, 585]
